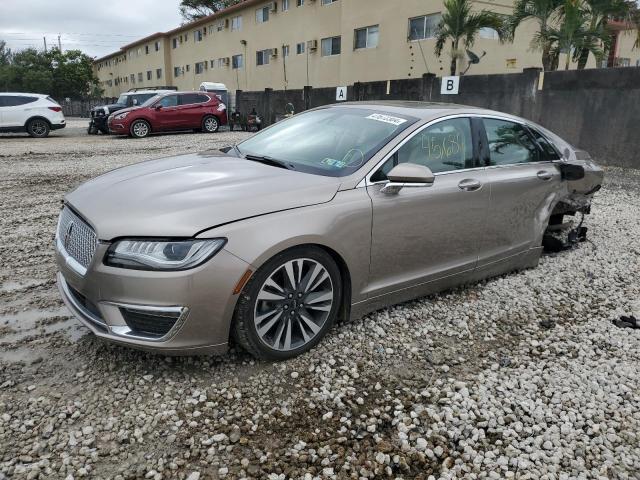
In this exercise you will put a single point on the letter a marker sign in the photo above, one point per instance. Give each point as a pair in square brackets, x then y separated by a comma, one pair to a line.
[341, 94]
[449, 85]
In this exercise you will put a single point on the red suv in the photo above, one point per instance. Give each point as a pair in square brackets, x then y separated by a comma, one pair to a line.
[170, 112]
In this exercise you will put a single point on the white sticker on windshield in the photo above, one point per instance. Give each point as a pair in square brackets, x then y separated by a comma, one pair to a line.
[387, 119]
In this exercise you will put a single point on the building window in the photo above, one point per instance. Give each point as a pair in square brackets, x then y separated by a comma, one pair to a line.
[328, 2]
[262, 57]
[212, 63]
[424, 27]
[140, 76]
[236, 23]
[299, 3]
[197, 36]
[331, 46]
[285, 5]
[149, 74]
[199, 68]
[158, 73]
[157, 45]
[366, 37]
[221, 25]
[489, 33]
[300, 48]
[285, 50]
[133, 78]
[146, 49]
[176, 71]
[174, 43]
[188, 67]
[223, 62]
[237, 61]
[262, 14]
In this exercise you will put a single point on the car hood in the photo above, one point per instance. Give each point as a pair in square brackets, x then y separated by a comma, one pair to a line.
[129, 109]
[111, 107]
[182, 196]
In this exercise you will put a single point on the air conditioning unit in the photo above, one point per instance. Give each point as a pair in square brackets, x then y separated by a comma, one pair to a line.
[274, 53]
[312, 45]
[273, 7]
[226, 61]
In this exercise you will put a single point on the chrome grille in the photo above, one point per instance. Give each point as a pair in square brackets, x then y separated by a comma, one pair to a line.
[76, 237]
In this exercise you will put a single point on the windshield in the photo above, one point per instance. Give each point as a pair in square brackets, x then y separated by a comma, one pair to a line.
[333, 141]
[149, 101]
[122, 99]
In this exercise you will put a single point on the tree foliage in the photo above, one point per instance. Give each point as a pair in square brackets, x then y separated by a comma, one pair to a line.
[460, 24]
[59, 74]
[195, 9]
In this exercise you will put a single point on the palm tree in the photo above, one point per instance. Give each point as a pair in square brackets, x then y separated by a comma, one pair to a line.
[544, 12]
[599, 13]
[459, 23]
[575, 34]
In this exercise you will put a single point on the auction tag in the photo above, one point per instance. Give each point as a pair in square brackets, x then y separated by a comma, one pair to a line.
[387, 119]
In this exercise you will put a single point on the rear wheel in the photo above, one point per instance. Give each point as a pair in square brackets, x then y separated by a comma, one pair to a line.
[210, 124]
[38, 128]
[140, 129]
[289, 304]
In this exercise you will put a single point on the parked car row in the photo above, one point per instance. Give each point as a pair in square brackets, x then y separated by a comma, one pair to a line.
[33, 113]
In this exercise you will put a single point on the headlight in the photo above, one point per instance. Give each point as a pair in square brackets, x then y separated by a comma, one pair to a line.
[106, 110]
[121, 116]
[149, 254]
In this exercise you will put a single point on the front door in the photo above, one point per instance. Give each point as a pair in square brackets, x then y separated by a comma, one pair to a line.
[167, 117]
[525, 185]
[422, 234]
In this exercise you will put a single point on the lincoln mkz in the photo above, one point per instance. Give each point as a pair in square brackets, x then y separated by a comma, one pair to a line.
[326, 216]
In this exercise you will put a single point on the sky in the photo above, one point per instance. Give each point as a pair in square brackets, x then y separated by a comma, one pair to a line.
[97, 27]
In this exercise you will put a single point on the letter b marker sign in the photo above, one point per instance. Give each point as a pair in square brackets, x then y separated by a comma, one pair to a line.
[449, 85]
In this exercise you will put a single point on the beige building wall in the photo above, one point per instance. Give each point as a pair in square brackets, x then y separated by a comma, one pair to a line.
[395, 56]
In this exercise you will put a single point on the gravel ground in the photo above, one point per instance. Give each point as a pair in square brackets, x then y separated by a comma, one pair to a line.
[522, 376]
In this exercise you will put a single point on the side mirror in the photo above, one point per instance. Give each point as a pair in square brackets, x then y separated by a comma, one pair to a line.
[571, 171]
[408, 175]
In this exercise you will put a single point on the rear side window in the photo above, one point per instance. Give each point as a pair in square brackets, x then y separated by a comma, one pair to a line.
[191, 98]
[550, 152]
[16, 101]
[509, 143]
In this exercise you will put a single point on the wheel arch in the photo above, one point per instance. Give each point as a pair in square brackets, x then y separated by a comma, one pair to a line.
[37, 117]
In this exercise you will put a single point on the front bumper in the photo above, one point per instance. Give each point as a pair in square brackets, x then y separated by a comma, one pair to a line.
[199, 303]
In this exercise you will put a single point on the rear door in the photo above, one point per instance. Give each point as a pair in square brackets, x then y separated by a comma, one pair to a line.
[192, 109]
[423, 234]
[525, 185]
[167, 117]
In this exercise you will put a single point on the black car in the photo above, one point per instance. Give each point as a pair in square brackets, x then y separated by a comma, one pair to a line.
[132, 98]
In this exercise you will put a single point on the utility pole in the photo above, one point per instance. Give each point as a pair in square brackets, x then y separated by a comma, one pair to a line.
[45, 44]
[59, 44]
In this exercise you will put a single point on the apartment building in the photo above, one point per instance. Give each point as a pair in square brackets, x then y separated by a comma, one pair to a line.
[292, 43]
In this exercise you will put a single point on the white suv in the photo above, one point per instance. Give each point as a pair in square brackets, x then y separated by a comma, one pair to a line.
[33, 113]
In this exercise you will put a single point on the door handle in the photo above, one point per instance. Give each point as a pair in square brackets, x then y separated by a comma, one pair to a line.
[469, 185]
[545, 175]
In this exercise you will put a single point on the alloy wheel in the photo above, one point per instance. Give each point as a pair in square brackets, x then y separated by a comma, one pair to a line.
[293, 304]
[210, 124]
[140, 129]
[38, 127]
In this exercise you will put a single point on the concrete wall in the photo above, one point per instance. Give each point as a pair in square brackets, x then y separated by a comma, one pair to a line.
[597, 110]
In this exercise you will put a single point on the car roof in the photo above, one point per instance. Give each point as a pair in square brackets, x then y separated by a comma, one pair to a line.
[23, 94]
[421, 110]
[144, 92]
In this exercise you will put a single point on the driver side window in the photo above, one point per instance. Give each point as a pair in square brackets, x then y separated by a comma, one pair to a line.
[169, 101]
[443, 147]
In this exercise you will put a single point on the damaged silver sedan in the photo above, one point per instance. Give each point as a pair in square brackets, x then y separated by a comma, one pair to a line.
[328, 215]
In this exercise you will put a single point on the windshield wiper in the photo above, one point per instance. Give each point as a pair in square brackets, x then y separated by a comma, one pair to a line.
[268, 161]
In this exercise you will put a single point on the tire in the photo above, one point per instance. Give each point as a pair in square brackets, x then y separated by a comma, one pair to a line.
[287, 324]
[104, 131]
[38, 128]
[140, 129]
[210, 124]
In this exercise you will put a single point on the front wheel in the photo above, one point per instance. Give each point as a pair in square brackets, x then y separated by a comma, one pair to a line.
[210, 124]
[140, 129]
[289, 304]
[38, 128]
